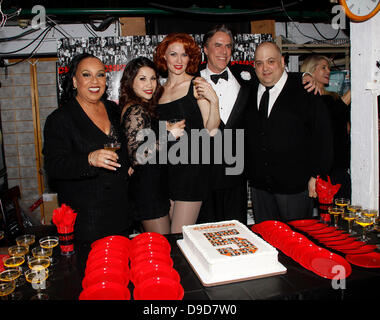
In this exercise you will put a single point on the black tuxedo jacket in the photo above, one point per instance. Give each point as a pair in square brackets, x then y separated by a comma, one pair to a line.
[293, 144]
[246, 77]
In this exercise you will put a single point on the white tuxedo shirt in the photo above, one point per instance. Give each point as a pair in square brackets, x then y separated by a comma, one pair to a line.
[227, 92]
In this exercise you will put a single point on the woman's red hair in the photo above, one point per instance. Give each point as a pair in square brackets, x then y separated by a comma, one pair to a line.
[190, 46]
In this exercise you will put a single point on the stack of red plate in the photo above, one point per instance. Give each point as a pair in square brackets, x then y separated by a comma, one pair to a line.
[357, 252]
[333, 238]
[107, 270]
[152, 271]
[297, 246]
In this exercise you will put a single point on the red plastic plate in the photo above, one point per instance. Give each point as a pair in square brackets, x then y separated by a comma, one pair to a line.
[369, 260]
[362, 250]
[333, 239]
[302, 223]
[112, 239]
[105, 274]
[105, 291]
[347, 246]
[329, 265]
[152, 270]
[158, 288]
[326, 232]
[348, 241]
[314, 227]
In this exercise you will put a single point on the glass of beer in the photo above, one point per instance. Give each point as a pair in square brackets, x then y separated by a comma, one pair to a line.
[112, 146]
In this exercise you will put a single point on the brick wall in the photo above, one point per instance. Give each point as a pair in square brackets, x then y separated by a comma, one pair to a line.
[18, 124]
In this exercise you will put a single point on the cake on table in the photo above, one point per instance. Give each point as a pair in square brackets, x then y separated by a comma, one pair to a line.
[228, 251]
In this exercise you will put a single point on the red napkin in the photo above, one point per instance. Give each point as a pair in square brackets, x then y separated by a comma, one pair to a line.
[2, 256]
[64, 218]
[326, 190]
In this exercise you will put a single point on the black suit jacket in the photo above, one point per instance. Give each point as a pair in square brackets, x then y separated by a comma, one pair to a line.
[246, 77]
[99, 196]
[293, 144]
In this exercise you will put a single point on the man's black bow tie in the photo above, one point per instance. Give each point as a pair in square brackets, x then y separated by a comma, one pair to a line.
[216, 77]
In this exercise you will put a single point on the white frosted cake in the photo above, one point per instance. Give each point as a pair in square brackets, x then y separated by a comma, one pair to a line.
[227, 251]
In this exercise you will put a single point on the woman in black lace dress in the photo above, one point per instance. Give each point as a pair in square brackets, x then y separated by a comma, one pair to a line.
[194, 100]
[139, 93]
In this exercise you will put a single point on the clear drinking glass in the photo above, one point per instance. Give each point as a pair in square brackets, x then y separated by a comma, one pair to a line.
[349, 216]
[13, 274]
[336, 212]
[6, 288]
[364, 222]
[373, 214]
[112, 146]
[37, 278]
[50, 242]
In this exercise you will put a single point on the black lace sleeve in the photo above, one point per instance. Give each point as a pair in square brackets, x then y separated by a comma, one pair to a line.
[142, 142]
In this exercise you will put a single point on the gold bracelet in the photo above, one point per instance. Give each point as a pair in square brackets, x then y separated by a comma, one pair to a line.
[89, 159]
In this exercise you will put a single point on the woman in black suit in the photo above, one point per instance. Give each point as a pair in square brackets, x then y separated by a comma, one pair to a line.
[91, 180]
[340, 112]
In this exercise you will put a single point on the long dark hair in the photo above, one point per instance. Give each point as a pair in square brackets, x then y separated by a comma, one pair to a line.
[68, 91]
[126, 93]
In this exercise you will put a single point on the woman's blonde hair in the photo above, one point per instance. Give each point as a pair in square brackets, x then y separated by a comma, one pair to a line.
[311, 62]
[309, 65]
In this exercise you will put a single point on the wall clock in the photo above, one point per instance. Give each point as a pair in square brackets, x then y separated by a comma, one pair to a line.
[360, 10]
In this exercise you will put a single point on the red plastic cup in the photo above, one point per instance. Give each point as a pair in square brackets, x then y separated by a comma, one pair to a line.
[105, 291]
[105, 274]
[66, 242]
[154, 270]
[158, 288]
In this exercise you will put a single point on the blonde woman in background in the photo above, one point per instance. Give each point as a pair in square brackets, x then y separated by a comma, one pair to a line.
[339, 107]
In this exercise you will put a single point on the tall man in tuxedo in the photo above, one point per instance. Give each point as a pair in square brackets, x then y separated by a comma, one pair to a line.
[288, 141]
[232, 83]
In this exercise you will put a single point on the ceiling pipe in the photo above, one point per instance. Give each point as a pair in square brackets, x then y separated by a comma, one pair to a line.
[155, 11]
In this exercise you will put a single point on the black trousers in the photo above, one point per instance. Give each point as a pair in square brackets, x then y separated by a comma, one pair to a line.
[282, 207]
[225, 204]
